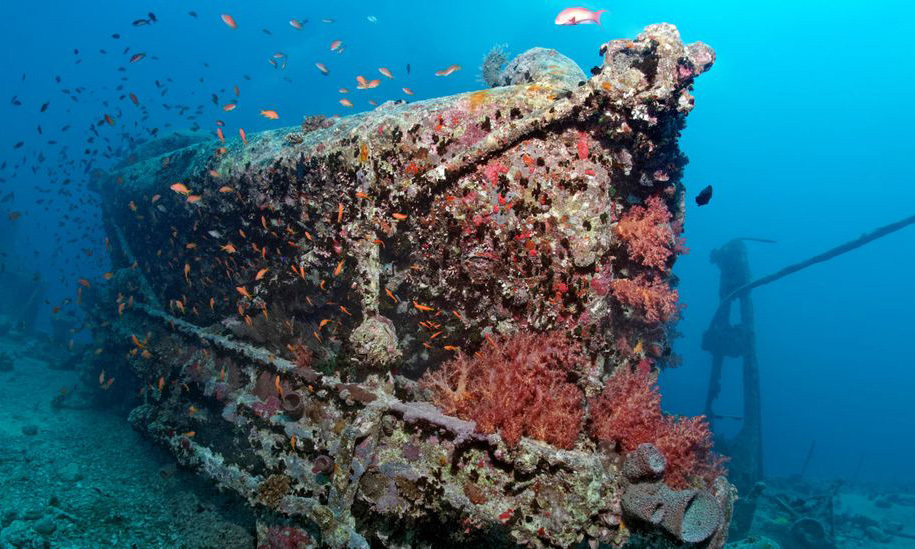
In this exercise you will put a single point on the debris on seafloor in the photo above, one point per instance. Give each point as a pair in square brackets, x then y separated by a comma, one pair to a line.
[280, 305]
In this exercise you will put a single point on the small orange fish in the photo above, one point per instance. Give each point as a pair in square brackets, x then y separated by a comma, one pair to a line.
[229, 20]
[335, 45]
[155, 198]
[180, 188]
[339, 268]
[391, 295]
[361, 195]
[323, 322]
[220, 136]
[191, 410]
[226, 189]
[339, 212]
[278, 385]
[194, 198]
[229, 107]
[260, 274]
[451, 348]
[108, 276]
[189, 434]
[407, 91]
[241, 134]
[361, 82]
[385, 72]
[243, 291]
[445, 72]
[272, 115]
[345, 310]
[322, 68]
[346, 102]
[296, 24]
[228, 248]
[161, 384]
[109, 120]
[84, 282]
[399, 216]
[424, 308]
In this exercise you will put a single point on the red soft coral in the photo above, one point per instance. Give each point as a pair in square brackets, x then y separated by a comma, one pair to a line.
[649, 295]
[647, 233]
[628, 413]
[517, 386]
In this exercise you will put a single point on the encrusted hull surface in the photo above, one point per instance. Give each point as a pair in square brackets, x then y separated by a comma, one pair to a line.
[279, 310]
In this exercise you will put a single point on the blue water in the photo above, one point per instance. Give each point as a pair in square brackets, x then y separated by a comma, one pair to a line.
[803, 126]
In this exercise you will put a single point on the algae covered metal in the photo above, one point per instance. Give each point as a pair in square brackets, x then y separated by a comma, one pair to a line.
[280, 296]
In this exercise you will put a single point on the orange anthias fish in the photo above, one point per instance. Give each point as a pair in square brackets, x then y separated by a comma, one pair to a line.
[229, 20]
[229, 107]
[321, 67]
[408, 91]
[241, 134]
[335, 45]
[445, 72]
[385, 72]
[346, 102]
[180, 188]
[296, 24]
[272, 115]
[243, 291]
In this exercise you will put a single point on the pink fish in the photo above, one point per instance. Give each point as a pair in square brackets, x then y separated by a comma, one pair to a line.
[578, 16]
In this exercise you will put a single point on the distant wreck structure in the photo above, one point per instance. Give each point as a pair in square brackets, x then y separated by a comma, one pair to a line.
[284, 304]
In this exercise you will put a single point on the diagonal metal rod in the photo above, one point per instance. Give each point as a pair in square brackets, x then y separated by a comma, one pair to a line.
[866, 238]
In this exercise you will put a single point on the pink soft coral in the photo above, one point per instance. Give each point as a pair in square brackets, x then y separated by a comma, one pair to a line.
[647, 233]
[517, 386]
[649, 295]
[628, 413]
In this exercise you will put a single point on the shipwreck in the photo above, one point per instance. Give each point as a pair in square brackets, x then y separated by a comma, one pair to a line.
[289, 313]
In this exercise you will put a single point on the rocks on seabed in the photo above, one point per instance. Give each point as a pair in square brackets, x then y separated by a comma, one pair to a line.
[30, 430]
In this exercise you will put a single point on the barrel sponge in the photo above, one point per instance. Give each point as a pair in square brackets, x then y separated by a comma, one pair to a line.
[693, 515]
[644, 463]
[689, 516]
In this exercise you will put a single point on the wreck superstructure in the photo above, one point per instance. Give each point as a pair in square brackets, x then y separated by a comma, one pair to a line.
[280, 306]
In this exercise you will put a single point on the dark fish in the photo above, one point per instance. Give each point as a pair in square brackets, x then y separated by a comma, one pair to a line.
[115, 36]
[7, 198]
[15, 101]
[192, 13]
[704, 196]
[267, 32]
[408, 68]
[140, 22]
[152, 17]
[19, 145]
[45, 106]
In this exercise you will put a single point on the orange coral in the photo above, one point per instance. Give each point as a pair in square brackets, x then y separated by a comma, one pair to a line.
[518, 386]
[628, 413]
[651, 296]
[647, 233]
